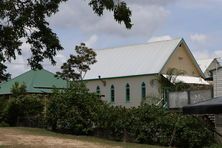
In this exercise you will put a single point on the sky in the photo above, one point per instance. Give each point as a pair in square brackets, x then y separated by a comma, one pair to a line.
[198, 22]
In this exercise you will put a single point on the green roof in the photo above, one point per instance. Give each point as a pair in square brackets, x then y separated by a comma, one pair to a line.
[36, 81]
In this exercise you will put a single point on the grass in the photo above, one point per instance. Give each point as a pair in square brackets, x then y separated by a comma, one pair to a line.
[94, 140]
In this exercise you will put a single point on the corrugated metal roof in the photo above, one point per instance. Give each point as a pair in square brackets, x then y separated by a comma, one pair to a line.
[132, 60]
[188, 80]
[204, 63]
[220, 61]
[39, 81]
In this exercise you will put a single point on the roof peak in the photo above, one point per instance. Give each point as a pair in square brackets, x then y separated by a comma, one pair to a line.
[139, 44]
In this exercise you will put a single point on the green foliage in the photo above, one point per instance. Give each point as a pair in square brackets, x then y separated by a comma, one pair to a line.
[18, 89]
[73, 110]
[121, 11]
[3, 103]
[27, 21]
[77, 65]
[4, 124]
[152, 125]
[77, 111]
[170, 83]
[23, 107]
[113, 122]
[192, 133]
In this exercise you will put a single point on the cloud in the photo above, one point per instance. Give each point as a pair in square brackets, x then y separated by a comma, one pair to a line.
[199, 4]
[160, 38]
[151, 2]
[205, 54]
[218, 53]
[147, 17]
[17, 66]
[91, 41]
[198, 37]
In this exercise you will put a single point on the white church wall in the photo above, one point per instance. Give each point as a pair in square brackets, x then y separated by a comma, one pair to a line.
[152, 89]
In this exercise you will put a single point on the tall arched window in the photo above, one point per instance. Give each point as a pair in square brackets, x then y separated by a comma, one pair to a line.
[143, 90]
[112, 93]
[98, 90]
[127, 92]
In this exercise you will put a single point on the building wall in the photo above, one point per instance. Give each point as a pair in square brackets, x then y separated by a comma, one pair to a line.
[214, 64]
[217, 78]
[152, 89]
[181, 60]
[182, 98]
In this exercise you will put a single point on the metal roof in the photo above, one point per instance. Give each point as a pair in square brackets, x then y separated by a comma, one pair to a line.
[188, 80]
[132, 60]
[211, 106]
[220, 61]
[205, 63]
[39, 81]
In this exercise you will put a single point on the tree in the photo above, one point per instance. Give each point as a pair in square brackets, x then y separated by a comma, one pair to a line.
[18, 89]
[77, 65]
[26, 20]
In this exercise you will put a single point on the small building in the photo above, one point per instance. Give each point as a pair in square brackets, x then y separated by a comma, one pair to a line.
[125, 75]
[207, 65]
[36, 81]
[217, 78]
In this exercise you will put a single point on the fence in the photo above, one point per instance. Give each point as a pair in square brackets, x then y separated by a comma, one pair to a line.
[180, 99]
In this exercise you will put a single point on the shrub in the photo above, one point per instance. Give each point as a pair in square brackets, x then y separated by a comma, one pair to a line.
[192, 133]
[73, 110]
[77, 111]
[3, 104]
[27, 106]
[154, 125]
[3, 124]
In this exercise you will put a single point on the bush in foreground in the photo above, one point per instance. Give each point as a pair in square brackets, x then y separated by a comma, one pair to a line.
[73, 110]
[23, 107]
[77, 111]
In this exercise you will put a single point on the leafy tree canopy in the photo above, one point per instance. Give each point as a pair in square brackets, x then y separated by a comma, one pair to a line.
[26, 20]
[77, 65]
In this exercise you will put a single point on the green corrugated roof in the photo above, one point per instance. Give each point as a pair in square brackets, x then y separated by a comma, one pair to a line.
[36, 81]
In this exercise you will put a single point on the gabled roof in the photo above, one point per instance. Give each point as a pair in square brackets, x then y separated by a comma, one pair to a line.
[39, 81]
[205, 63]
[134, 60]
[220, 61]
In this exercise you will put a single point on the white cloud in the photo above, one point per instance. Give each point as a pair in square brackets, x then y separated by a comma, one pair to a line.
[205, 54]
[91, 41]
[198, 37]
[199, 4]
[202, 54]
[17, 66]
[147, 17]
[218, 53]
[160, 38]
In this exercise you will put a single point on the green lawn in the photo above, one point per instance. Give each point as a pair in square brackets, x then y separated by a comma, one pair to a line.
[42, 138]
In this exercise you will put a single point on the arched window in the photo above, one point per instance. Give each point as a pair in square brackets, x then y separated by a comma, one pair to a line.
[127, 92]
[112, 93]
[143, 90]
[98, 90]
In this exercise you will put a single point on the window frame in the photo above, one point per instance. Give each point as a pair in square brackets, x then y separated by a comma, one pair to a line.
[127, 92]
[112, 93]
[143, 90]
[98, 90]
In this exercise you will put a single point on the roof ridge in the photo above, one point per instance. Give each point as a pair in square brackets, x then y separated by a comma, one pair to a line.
[139, 44]
[16, 77]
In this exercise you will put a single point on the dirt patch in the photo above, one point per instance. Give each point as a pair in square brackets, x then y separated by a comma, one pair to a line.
[14, 138]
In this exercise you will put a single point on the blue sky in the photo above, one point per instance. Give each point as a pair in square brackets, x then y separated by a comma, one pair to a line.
[199, 22]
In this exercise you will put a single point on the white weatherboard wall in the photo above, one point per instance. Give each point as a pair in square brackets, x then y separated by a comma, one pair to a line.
[152, 89]
[217, 77]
